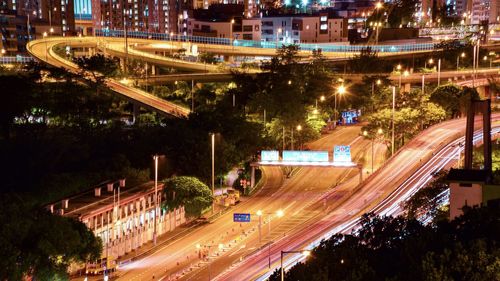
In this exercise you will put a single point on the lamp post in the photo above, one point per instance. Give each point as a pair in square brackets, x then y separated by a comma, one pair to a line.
[44, 36]
[458, 58]
[232, 33]
[213, 172]
[378, 82]
[399, 67]
[401, 74]
[439, 72]
[279, 31]
[305, 253]
[3, 51]
[340, 91]
[259, 213]
[155, 158]
[393, 110]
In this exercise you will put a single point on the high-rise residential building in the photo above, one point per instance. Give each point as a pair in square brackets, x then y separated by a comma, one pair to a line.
[25, 20]
[136, 15]
[476, 11]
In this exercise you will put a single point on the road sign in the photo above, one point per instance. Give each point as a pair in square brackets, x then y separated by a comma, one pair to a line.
[305, 156]
[342, 153]
[239, 217]
[269, 155]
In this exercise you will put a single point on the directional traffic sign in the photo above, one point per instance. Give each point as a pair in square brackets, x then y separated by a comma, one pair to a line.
[238, 217]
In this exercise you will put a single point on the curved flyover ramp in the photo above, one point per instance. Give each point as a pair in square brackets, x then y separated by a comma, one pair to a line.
[43, 50]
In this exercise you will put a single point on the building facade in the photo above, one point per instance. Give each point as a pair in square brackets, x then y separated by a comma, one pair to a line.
[123, 218]
[320, 28]
[136, 15]
[246, 29]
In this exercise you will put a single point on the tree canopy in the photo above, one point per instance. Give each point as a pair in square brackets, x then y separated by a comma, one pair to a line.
[387, 248]
[41, 245]
[189, 192]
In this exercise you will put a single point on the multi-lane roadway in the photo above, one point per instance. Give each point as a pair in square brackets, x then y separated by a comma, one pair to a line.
[382, 193]
[297, 197]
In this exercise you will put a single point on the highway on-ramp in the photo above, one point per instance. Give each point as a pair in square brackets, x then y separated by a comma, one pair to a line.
[44, 50]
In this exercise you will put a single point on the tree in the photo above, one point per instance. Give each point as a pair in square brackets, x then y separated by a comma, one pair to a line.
[189, 192]
[16, 100]
[99, 66]
[453, 99]
[41, 245]
[208, 58]
[402, 12]
[386, 248]
[366, 62]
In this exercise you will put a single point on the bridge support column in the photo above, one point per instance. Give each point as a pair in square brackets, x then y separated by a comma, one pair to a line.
[252, 178]
[135, 112]
[228, 58]
[407, 87]
[122, 64]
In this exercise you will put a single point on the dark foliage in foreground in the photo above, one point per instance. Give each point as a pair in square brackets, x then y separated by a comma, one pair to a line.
[386, 248]
[36, 243]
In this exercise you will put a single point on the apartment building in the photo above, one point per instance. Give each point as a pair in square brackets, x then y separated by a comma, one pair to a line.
[136, 15]
[319, 28]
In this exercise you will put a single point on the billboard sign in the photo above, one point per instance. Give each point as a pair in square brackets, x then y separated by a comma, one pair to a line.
[269, 155]
[305, 156]
[342, 153]
[241, 217]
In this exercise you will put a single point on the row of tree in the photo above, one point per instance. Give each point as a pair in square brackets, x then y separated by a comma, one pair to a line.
[386, 248]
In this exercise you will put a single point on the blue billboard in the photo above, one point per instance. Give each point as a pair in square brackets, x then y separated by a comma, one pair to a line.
[269, 155]
[305, 156]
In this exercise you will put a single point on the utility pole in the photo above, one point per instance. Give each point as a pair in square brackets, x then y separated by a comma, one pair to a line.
[393, 110]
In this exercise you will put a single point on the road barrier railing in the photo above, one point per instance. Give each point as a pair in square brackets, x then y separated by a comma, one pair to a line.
[325, 47]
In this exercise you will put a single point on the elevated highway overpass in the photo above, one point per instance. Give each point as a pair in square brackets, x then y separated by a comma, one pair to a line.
[44, 51]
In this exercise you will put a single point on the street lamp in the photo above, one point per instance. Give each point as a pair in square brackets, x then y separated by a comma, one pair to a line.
[458, 58]
[340, 91]
[3, 51]
[259, 213]
[393, 110]
[232, 33]
[401, 74]
[279, 31]
[378, 82]
[44, 36]
[213, 172]
[305, 253]
[155, 158]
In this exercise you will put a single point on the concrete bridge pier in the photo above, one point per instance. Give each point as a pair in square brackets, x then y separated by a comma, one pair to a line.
[228, 59]
[135, 113]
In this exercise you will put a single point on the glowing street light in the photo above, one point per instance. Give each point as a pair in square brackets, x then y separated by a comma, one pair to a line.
[340, 91]
[304, 253]
[462, 55]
